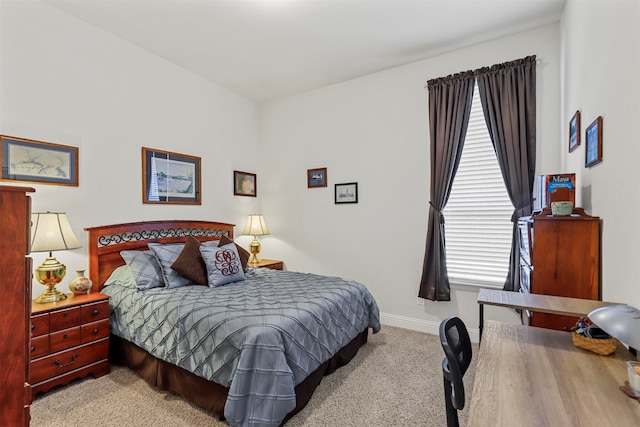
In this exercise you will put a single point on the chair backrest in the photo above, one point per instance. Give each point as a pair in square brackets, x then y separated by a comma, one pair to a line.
[456, 344]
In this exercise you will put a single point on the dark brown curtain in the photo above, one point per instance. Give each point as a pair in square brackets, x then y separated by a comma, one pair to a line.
[508, 95]
[449, 109]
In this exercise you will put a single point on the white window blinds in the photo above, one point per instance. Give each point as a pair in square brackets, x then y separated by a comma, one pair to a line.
[478, 224]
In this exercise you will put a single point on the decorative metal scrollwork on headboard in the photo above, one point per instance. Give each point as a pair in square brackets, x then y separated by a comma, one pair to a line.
[114, 239]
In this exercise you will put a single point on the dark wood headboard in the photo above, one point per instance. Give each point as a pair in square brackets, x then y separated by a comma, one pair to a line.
[106, 241]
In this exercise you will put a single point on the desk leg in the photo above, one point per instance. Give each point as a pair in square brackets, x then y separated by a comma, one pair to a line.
[481, 320]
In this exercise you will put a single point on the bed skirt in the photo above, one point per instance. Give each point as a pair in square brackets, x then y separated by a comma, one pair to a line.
[207, 394]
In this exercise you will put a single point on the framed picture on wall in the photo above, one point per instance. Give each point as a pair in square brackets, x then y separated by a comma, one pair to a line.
[39, 162]
[169, 177]
[574, 131]
[346, 193]
[244, 184]
[593, 144]
[316, 178]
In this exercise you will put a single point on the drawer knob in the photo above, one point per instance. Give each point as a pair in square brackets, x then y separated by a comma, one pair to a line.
[33, 349]
[63, 365]
[64, 337]
[33, 327]
[95, 331]
[96, 311]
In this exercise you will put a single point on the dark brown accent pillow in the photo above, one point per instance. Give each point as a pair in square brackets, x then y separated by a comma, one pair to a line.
[244, 254]
[190, 264]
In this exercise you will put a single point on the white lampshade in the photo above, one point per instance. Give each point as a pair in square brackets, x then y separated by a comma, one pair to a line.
[620, 321]
[255, 226]
[51, 231]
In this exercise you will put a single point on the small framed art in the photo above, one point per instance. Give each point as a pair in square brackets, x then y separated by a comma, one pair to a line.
[574, 131]
[244, 184]
[593, 144]
[346, 193]
[170, 177]
[39, 162]
[316, 178]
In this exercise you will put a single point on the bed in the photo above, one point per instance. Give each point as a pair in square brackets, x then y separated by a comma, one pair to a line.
[275, 333]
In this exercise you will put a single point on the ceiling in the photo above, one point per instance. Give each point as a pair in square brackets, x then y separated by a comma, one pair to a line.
[271, 49]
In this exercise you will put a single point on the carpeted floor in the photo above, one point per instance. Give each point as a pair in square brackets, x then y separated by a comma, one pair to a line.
[394, 380]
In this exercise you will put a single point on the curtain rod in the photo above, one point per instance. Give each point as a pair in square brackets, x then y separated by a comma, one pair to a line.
[538, 60]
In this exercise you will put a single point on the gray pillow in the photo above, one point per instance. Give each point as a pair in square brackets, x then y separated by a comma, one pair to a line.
[121, 276]
[223, 264]
[145, 269]
[166, 255]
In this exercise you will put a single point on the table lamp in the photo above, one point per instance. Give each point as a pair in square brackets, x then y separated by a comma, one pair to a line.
[621, 321]
[50, 231]
[255, 227]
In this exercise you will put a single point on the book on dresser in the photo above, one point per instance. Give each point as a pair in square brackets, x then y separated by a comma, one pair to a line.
[69, 340]
[559, 255]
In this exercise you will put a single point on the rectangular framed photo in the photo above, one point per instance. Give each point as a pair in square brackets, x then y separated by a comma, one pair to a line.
[593, 144]
[39, 162]
[170, 178]
[316, 178]
[244, 184]
[574, 131]
[346, 193]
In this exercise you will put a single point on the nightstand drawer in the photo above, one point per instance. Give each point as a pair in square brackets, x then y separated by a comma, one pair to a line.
[63, 319]
[39, 324]
[64, 339]
[94, 331]
[95, 311]
[72, 340]
[39, 346]
[65, 361]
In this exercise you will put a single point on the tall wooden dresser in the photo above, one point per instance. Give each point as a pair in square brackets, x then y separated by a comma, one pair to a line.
[15, 304]
[559, 255]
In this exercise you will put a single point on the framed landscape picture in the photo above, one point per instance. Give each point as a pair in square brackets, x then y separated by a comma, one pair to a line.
[593, 137]
[39, 162]
[346, 193]
[244, 184]
[169, 177]
[316, 178]
[574, 131]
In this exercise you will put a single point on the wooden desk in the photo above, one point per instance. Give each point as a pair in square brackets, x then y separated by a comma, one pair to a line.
[536, 302]
[529, 376]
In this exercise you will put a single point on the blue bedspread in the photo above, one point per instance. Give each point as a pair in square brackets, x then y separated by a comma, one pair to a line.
[260, 337]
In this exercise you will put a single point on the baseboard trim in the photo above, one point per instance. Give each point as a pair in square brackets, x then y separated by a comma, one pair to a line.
[421, 325]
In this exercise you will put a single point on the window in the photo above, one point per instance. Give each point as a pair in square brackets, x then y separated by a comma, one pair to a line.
[478, 226]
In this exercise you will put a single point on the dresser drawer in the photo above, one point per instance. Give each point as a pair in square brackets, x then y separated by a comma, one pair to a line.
[94, 311]
[94, 331]
[39, 324]
[64, 339]
[64, 319]
[39, 346]
[65, 361]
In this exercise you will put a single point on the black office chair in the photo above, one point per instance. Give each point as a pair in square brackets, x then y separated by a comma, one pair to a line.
[457, 349]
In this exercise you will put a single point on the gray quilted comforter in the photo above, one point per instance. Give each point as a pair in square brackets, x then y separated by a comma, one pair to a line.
[259, 337]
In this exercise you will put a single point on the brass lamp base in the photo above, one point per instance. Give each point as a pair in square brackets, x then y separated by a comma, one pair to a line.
[50, 295]
[254, 248]
[50, 273]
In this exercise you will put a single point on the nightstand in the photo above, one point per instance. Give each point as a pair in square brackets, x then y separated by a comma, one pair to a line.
[69, 340]
[273, 264]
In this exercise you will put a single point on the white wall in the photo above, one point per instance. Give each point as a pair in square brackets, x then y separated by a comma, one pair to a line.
[375, 130]
[600, 69]
[69, 83]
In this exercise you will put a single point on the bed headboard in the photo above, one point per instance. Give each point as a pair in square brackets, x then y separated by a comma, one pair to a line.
[106, 241]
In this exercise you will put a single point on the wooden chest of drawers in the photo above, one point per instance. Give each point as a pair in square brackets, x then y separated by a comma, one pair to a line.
[69, 340]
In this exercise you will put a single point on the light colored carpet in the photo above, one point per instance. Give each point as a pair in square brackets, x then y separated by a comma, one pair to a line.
[394, 380]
